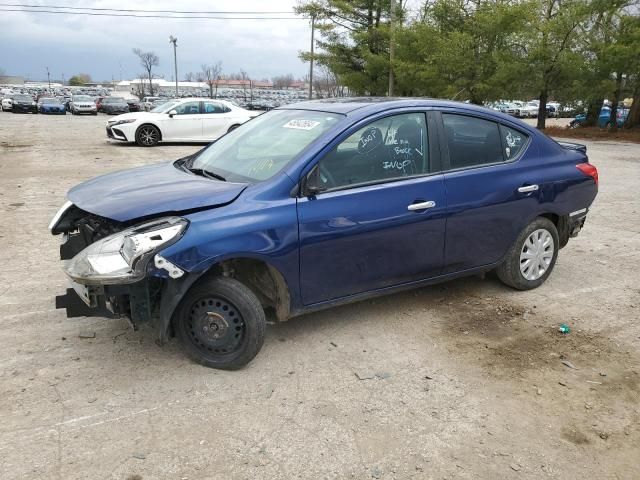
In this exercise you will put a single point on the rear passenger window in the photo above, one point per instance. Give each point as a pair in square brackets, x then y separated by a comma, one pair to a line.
[472, 141]
[512, 141]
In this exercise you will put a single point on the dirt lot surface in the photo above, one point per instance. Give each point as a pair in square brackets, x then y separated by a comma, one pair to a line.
[460, 380]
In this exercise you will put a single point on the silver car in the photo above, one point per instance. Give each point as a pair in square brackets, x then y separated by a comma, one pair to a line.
[82, 104]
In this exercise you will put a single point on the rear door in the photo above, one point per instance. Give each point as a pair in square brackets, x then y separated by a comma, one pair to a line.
[380, 220]
[493, 188]
[215, 119]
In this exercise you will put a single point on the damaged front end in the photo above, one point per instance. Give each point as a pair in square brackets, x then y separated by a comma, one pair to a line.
[114, 267]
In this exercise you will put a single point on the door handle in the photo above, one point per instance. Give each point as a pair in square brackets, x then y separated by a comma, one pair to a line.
[528, 188]
[421, 206]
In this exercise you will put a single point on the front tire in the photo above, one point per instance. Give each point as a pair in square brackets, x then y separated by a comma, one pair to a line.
[147, 136]
[221, 323]
[531, 258]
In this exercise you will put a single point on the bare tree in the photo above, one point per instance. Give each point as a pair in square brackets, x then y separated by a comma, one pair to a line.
[189, 76]
[211, 75]
[326, 84]
[282, 81]
[138, 90]
[148, 60]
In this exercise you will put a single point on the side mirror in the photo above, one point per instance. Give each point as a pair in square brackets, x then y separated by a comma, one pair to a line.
[172, 113]
[312, 184]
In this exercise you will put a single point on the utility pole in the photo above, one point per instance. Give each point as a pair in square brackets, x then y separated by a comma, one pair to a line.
[313, 28]
[49, 78]
[391, 45]
[174, 40]
[63, 79]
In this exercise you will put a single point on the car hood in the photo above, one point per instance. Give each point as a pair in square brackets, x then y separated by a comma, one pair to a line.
[150, 191]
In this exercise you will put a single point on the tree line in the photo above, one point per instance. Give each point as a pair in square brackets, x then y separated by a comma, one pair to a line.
[573, 51]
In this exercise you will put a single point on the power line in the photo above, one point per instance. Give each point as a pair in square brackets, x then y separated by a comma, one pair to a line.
[175, 17]
[186, 12]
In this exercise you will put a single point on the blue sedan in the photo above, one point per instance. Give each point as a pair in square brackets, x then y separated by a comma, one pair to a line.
[317, 204]
[51, 105]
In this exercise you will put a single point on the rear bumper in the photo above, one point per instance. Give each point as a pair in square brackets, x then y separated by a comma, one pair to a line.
[576, 221]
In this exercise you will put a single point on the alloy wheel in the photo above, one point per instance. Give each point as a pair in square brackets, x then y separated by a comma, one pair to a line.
[148, 136]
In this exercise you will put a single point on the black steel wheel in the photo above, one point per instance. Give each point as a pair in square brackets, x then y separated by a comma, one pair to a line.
[221, 323]
[147, 136]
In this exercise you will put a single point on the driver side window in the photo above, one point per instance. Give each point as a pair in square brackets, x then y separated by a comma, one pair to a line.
[188, 108]
[389, 148]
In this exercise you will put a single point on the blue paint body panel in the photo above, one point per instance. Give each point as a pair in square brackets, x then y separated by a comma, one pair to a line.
[150, 190]
[345, 244]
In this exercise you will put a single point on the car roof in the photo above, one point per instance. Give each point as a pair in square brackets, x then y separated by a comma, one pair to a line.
[376, 104]
[365, 106]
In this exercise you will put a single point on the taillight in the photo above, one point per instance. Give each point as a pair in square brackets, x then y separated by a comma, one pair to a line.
[589, 170]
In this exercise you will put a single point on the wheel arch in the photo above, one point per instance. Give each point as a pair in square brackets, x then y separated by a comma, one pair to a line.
[265, 280]
[561, 223]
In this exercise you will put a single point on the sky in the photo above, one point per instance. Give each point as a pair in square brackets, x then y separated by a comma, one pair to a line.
[101, 46]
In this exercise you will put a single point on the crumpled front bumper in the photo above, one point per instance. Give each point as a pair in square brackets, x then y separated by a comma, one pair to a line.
[134, 301]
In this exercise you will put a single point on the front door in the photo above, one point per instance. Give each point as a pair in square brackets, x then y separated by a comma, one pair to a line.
[378, 217]
[186, 125]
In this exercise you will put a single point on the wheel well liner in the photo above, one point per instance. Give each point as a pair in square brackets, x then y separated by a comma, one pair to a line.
[264, 280]
[562, 224]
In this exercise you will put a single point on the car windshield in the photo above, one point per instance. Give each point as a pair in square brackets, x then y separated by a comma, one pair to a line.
[23, 98]
[49, 100]
[164, 107]
[82, 98]
[113, 100]
[262, 147]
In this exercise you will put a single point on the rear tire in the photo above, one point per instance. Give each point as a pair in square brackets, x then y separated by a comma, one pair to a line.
[531, 258]
[221, 323]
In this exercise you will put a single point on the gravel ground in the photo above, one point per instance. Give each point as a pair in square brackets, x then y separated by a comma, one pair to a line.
[460, 380]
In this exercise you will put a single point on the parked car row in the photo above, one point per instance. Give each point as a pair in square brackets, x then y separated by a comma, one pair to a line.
[604, 118]
[75, 104]
[528, 109]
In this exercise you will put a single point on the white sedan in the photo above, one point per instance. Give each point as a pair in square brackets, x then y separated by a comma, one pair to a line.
[7, 104]
[185, 120]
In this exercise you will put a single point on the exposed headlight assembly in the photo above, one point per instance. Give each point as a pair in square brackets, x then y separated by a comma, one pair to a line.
[123, 257]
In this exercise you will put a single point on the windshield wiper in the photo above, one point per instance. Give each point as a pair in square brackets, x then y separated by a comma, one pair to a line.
[206, 173]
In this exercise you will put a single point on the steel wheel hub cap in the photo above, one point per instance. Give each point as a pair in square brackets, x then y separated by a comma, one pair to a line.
[215, 325]
[536, 254]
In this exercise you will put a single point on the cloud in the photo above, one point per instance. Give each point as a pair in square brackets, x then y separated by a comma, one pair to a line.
[101, 46]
